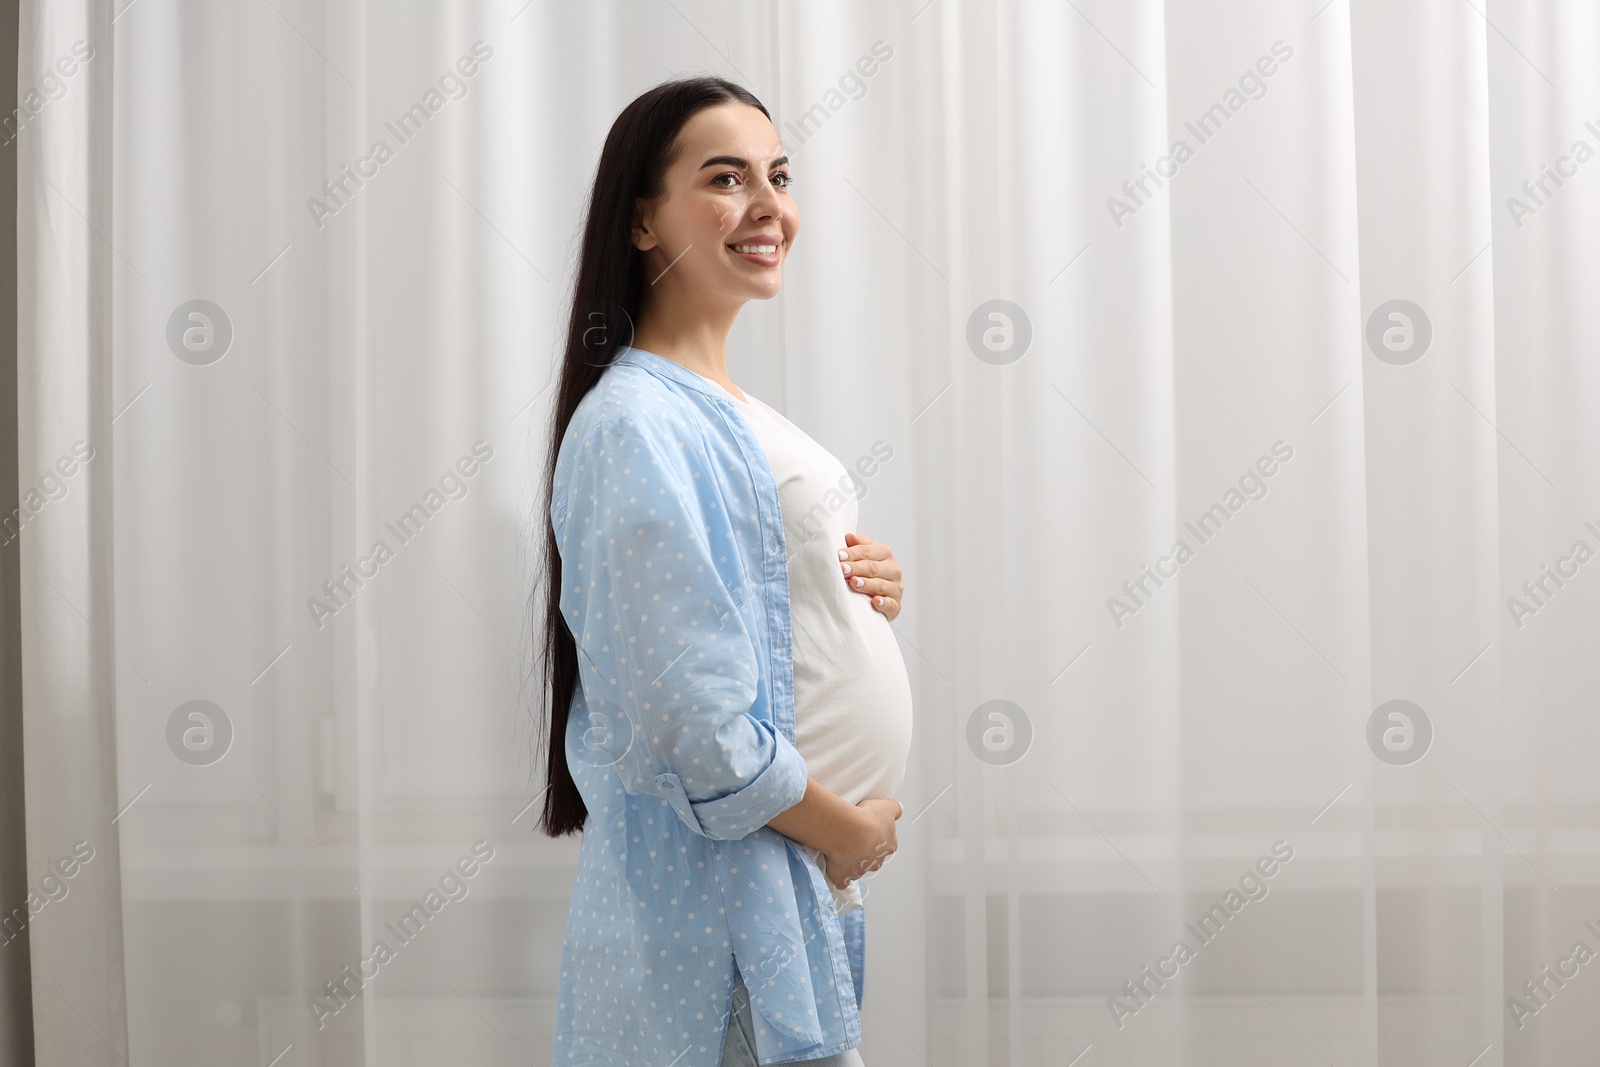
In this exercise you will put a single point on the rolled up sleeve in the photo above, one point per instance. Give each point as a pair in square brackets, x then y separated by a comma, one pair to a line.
[668, 665]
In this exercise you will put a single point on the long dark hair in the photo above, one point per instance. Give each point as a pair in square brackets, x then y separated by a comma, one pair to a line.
[606, 298]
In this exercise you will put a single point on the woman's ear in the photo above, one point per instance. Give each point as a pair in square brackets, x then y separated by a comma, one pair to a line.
[643, 239]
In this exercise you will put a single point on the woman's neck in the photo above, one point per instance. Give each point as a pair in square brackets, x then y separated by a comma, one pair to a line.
[700, 346]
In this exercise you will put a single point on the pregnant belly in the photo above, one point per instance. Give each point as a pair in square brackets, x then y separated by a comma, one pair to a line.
[852, 697]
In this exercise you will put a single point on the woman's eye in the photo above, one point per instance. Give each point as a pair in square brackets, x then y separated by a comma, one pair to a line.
[780, 179]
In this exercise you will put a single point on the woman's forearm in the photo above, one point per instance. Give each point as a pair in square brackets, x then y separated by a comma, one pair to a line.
[821, 820]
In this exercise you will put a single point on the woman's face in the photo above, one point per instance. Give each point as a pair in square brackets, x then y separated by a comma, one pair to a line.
[727, 190]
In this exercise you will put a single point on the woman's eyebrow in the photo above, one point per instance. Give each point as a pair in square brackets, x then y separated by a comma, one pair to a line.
[740, 162]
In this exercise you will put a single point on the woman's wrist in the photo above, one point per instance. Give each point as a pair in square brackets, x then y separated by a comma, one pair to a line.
[822, 819]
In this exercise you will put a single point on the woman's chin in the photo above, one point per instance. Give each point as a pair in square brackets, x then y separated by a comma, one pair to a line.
[766, 291]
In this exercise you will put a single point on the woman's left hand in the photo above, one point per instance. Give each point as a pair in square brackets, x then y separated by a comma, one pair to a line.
[870, 568]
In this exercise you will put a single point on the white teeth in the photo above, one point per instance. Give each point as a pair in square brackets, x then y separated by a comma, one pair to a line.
[759, 250]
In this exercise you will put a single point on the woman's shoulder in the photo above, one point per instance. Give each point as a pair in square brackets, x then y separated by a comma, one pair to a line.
[630, 400]
[631, 414]
[632, 430]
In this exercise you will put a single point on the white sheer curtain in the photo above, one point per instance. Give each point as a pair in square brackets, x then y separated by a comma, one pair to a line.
[1340, 346]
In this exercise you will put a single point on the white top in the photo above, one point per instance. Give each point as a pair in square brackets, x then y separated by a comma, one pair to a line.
[851, 694]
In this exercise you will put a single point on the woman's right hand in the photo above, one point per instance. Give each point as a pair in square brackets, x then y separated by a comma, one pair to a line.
[870, 841]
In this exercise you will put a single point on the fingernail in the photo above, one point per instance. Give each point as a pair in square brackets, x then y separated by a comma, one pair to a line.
[858, 582]
[843, 554]
[846, 567]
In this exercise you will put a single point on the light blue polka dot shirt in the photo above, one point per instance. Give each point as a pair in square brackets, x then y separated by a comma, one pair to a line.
[681, 741]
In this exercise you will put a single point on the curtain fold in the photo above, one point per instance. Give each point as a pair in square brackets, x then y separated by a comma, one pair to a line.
[70, 660]
[16, 995]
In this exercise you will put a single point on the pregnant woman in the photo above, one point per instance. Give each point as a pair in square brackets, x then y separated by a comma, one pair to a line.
[729, 714]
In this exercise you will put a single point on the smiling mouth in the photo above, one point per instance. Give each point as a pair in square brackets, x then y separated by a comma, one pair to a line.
[760, 252]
